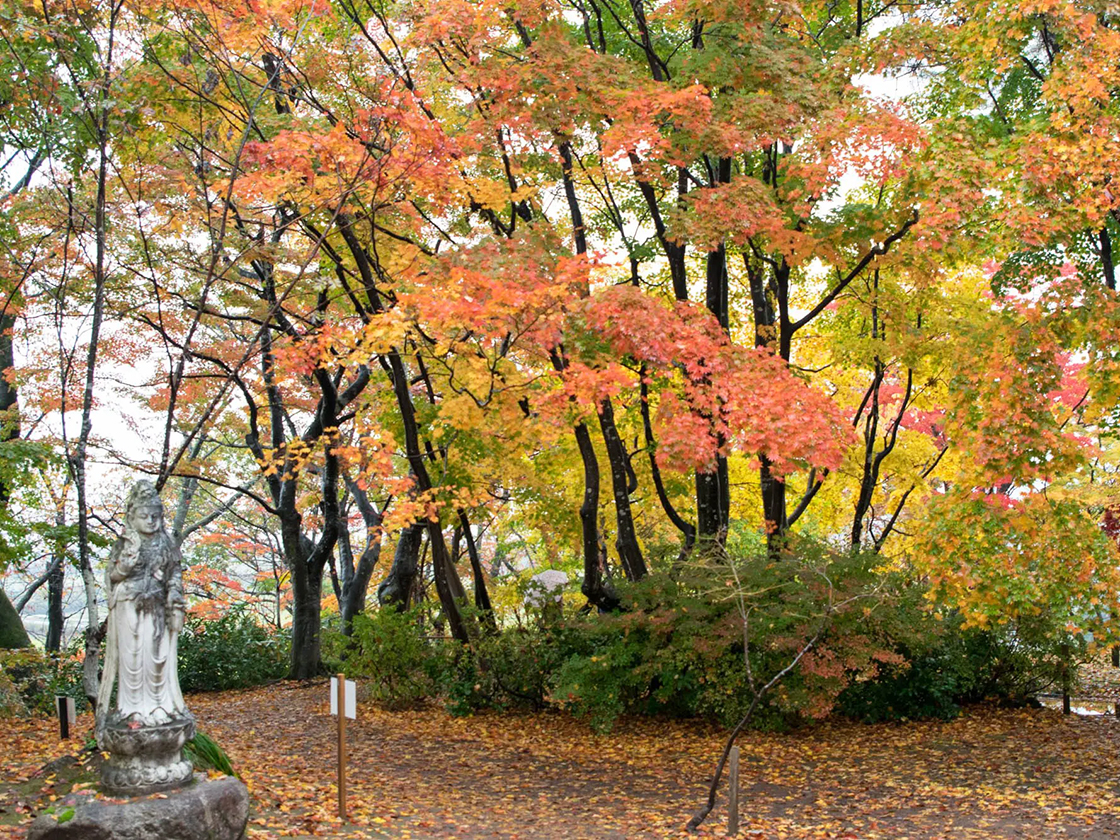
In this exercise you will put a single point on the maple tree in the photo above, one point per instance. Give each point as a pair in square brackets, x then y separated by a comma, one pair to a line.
[39, 56]
[639, 280]
[410, 297]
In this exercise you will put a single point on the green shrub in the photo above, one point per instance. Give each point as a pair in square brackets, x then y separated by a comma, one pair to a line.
[1014, 662]
[387, 650]
[677, 648]
[1009, 664]
[520, 664]
[673, 651]
[233, 651]
[601, 687]
[927, 685]
[514, 668]
[31, 679]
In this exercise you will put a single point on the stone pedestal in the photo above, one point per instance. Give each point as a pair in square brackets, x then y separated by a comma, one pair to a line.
[143, 758]
[205, 810]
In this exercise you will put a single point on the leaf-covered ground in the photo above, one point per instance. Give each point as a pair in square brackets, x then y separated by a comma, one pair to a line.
[1097, 680]
[424, 774]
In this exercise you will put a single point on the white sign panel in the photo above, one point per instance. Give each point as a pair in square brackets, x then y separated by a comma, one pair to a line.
[351, 699]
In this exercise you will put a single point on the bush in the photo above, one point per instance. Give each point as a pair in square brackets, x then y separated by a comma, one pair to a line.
[676, 648]
[514, 668]
[230, 652]
[1008, 664]
[387, 650]
[674, 651]
[31, 679]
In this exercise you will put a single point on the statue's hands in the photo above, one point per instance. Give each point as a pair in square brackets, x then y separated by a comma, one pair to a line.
[175, 617]
[121, 569]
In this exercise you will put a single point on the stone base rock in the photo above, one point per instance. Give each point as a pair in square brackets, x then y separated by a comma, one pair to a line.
[207, 810]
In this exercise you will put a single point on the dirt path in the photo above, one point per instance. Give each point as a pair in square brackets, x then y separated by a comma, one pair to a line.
[424, 774]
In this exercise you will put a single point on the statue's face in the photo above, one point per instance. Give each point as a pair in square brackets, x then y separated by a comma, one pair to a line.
[147, 520]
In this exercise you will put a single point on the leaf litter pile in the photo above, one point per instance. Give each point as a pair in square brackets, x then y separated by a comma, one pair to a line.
[424, 774]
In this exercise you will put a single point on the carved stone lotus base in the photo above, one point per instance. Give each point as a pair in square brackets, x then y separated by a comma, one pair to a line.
[145, 759]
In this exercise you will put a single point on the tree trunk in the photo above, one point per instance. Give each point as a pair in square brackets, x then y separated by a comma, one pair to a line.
[481, 595]
[773, 505]
[55, 619]
[712, 504]
[713, 490]
[94, 633]
[9, 402]
[623, 482]
[76, 459]
[771, 327]
[687, 529]
[356, 576]
[1108, 263]
[595, 587]
[396, 589]
[449, 586]
[307, 592]
[355, 590]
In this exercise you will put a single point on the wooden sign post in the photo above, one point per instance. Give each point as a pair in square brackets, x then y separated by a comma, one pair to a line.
[343, 705]
[341, 747]
[733, 794]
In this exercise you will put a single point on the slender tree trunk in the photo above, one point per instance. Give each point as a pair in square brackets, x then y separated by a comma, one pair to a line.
[623, 482]
[356, 575]
[770, 328]
[94, 633]
[595, 586]
[55, 584]
[481, 595]
[773, 503]
[77, 459]
[356, 587]
[448, 585]
[9, 399]
[1108, 263]
[713, 489]
[687, 529]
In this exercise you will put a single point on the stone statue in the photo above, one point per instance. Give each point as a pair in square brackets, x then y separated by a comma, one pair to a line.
[144, 731]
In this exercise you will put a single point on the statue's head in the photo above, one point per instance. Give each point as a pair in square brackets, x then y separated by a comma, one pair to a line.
[144, 511]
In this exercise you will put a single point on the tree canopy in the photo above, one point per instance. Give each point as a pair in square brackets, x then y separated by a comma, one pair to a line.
[619, 283]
